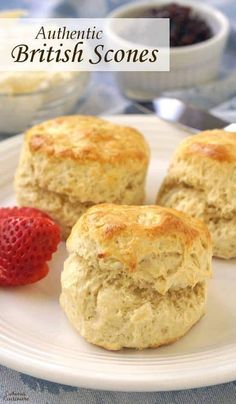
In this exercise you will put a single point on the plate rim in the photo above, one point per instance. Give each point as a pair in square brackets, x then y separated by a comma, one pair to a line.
[64, 376]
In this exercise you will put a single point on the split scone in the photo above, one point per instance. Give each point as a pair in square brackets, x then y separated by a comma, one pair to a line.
[136, 276]
[201, 181]
[73, 162]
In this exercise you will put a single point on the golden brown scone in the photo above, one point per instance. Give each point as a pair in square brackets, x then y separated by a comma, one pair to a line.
[201, 181]
[136, 276]
[72, 162]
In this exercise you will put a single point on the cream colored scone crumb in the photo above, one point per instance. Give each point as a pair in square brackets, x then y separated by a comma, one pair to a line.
[72, 162]
[136, 276]
[201, 182]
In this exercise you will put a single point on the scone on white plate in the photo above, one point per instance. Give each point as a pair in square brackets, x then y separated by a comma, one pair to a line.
[201, 182]
[73, 162]
[136, 276]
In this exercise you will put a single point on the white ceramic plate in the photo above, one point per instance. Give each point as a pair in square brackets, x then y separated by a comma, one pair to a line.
[36, 338]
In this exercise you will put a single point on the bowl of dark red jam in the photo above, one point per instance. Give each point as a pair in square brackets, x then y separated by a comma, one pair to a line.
[186, 26]
[198, 34]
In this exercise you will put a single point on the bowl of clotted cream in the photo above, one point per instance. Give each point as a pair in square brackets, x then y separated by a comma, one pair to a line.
[27, 98]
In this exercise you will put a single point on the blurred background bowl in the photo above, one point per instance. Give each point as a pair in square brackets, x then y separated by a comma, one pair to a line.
[18, 111]
[189, 65]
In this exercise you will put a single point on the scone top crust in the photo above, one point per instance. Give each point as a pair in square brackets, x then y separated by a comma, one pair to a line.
[87, 138]
[217, 145]
[150, 243]
[107, 223]
[85, 160]
[204, 164]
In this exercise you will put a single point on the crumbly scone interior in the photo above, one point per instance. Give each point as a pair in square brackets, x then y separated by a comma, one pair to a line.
[98, 301]
[219, 217]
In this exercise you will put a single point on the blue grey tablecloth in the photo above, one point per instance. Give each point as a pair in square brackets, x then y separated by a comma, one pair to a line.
[104, 97]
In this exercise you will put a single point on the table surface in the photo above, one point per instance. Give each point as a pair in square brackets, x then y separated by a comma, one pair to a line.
[18, 387]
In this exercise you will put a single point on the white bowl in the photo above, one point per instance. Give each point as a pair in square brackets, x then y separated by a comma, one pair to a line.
[189, 65]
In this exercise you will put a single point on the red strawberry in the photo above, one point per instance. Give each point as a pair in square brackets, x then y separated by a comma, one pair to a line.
[28, 238]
